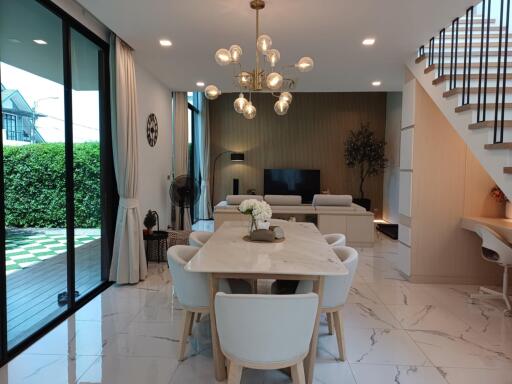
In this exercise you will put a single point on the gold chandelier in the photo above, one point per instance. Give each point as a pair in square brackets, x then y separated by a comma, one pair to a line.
[264, 77]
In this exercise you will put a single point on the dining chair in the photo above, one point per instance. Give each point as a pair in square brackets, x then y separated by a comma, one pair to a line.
[335, 294]
[495, 249]
[191, 288]
[198, 238]
[265, 332]
[336, 239]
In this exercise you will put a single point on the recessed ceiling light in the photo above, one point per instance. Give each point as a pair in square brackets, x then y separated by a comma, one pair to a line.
[200, 83]
[40, 42]
[377, 83]
[165, 43]
[369, 41]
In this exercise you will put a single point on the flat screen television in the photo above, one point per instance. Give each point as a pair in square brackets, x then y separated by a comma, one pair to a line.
[303, 182]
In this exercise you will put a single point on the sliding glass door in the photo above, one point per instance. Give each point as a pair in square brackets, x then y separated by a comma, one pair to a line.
[56, 208]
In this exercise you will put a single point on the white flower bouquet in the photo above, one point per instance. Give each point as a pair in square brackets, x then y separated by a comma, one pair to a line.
[259, 211]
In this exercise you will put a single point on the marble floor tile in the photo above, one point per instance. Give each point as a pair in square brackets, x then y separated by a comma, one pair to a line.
[331, 372]
[361, 293]
[396, 374]
[466, 350]
[400, 292]
[428, 317]
[377, 346]
[476, 376]
[129, 370]
[368, 316]
[42, 369]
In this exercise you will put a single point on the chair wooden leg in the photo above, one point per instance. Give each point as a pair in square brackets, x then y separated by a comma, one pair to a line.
[330, 323]
[338, 325]
[298, 376]
[184, 335]
[191, 324]
[234, 373]
[198, 317]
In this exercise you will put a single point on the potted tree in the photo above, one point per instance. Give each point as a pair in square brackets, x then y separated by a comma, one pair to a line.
[365, 152]
[150, 222]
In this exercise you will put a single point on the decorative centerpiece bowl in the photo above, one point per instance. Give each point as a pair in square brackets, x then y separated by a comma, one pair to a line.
[259, 213]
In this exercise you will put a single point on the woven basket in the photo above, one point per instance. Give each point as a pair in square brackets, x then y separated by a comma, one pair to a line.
[178, 238]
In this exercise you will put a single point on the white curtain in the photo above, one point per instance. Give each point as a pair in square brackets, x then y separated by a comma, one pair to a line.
[205, 206]
[128, 259]
[180, 148]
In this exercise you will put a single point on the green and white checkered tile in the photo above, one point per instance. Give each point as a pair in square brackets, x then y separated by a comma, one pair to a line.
[26, 249]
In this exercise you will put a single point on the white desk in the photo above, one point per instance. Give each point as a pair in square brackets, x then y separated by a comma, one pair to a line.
[304, 255]
[500, 225]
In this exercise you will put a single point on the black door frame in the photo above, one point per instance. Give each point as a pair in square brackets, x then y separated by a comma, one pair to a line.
[109, 196]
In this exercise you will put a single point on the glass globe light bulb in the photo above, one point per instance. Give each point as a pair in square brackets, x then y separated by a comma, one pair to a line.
[240, 103]
[281, 107]
[223, 57]
[274, 81]
[249, 111]
[272, 56]
[211, 92]
[245, 79]
[286, 96]
[305, 64]
[263, 43]
[236, 52]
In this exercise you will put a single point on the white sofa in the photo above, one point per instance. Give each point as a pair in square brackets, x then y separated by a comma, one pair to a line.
[350, 219]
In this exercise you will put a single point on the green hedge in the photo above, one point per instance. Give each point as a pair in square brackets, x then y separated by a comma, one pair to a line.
[35, 185]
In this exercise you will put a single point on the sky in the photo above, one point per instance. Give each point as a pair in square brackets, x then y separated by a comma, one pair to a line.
[48, 98]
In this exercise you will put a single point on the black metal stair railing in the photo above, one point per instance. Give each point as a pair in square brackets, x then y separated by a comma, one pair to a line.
[483, 15]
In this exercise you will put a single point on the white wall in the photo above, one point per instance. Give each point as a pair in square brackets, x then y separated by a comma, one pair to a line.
[155, 162]
[392, 172]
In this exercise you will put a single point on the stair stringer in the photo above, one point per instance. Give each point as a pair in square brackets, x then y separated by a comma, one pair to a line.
[493, 161]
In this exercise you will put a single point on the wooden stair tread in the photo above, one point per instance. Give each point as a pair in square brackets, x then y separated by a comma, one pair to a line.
[432, 67]
[489, 124]
[419, 59]
[474, 90]
[443, 78]
[473, 106]
[507, 170]
[498, 146]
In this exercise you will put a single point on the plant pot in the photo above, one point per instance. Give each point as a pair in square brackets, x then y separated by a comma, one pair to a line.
[508, 210]
[363, 202]
[150, 231]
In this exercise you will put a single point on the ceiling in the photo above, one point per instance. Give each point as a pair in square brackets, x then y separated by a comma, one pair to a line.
[330, 31]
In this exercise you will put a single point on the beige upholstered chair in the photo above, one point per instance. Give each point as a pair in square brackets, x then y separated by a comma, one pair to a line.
[335, 294]
[265, 332]
[198, 238]
[191, 288]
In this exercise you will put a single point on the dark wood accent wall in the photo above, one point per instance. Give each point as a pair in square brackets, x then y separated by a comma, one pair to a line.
[310, 136]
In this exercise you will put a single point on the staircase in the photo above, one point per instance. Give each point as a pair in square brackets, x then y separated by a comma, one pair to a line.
[467, 71]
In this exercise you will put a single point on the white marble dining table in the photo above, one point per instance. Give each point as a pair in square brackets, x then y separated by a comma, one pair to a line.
[303, 255]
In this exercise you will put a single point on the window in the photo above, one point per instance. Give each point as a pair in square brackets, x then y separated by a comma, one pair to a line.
[10, 126]
[56, 176]
[193, 126]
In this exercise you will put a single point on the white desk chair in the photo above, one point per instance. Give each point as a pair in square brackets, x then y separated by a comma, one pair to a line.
[265, 332]
[191, 288]
[198, 238]
[496, 250]
[335, 294]
[336, 239]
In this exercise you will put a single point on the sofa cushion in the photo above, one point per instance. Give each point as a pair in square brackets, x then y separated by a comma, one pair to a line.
[283, 199]
[332, 200]
[237, 199]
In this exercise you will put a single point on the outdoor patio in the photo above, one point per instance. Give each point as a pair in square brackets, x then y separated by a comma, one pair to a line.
[36, 262]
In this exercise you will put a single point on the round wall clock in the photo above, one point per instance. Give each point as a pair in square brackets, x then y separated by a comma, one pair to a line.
[152, 129]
